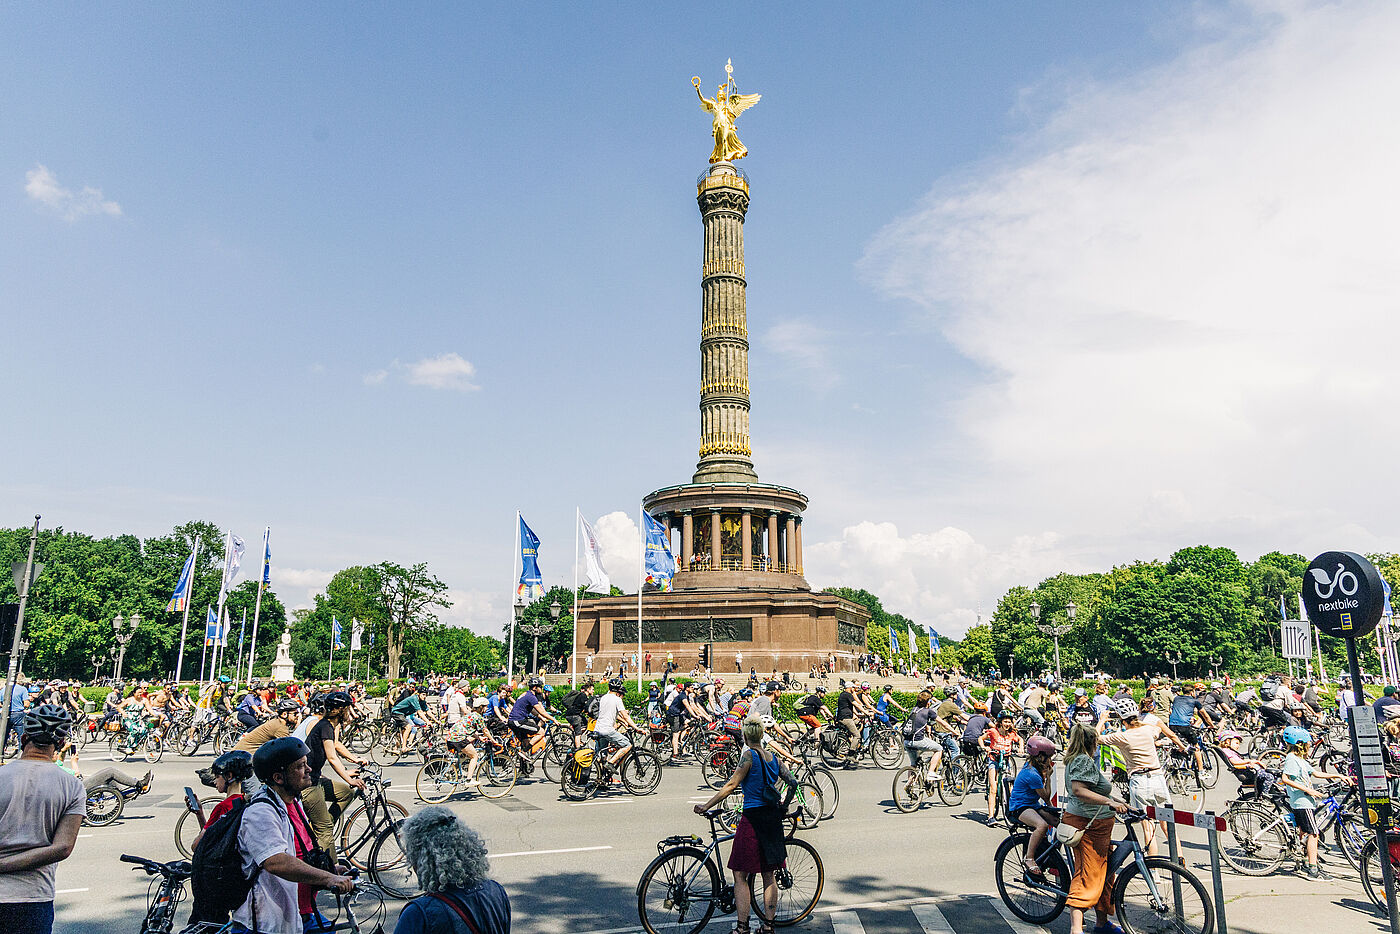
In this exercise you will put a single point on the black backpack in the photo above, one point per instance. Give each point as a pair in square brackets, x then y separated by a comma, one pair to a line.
[594, 706]
[217, 880]
[573, 703]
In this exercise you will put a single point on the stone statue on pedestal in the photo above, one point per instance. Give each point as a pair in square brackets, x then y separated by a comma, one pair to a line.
[282, 668]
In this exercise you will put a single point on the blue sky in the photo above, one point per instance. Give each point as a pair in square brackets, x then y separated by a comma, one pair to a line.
[377, 277]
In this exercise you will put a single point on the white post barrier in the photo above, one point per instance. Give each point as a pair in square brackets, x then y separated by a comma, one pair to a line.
[1213, 826]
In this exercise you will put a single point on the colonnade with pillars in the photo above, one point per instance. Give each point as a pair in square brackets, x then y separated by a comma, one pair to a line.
[740, 539]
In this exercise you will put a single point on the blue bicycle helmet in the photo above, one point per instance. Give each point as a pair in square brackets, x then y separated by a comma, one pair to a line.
[1296, 734]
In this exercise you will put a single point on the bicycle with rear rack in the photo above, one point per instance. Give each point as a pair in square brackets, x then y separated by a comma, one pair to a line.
[585, 775]
[164, 897]
[1151, 893]
[444, 774]
[684, 886]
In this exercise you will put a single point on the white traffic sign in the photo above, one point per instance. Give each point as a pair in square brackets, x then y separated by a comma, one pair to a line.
[1368, 743]
[1297, 638]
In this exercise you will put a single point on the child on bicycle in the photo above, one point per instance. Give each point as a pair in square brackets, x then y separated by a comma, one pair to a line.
[998, 741]
[1298, 774]
[1245, 770]
[1029, 800]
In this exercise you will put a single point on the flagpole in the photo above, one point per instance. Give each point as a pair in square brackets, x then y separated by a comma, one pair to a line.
[350, 668]
[573, 654]
[641, 583]
[185, 620]
[331, 661]
[510, 650]
[257, 607]
[204, 655]
[238, 658]
[223, 593]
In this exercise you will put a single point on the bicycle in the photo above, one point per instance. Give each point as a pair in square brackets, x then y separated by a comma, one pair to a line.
[1370, 866]
[586, 774]
[442, 775]
[136, 735]
[1144, 902]
[106, 802]
[682, 888]
[911, 785]
[1265, 834]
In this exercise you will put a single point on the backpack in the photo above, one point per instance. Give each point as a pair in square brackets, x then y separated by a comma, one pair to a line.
[217, 879]
[907, 728]
[1269, 689]
[595, 705]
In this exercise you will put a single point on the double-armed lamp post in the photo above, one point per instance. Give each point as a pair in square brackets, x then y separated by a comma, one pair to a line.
[540, 628]
[124, 635]
[1055, 630]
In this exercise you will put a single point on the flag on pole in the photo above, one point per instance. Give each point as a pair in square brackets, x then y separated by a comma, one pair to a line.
[659, 565]
[181, 597]
[267, 559]
[531, 583]
[370, 643]
[211, 628]
[1302, 610]
[932, 641]
[1282, 607]
[231, 565]
[1386, 585]
[894, 641]
[911, 640]
[224, 628]
[357, 629]
[335, 632]
[598, 581]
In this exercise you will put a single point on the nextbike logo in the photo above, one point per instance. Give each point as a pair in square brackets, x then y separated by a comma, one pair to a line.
[1340, 605]
[1345, 581]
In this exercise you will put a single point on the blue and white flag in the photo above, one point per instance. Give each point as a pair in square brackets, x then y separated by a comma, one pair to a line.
[894, 642]
[211, 628]
[370, 643]
[531, 584]
[181, 597]
[912, 641]
[932, 641]
[232, 562]
[335, 632]
[1282, 608]
[267, 558]
[658, 566]
[1386, 584]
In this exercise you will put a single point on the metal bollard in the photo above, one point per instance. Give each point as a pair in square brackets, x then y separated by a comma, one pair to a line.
[1214, 840]
[1176, 858]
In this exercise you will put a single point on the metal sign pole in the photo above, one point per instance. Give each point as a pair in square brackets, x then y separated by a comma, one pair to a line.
[12, 674]
[1374, 794]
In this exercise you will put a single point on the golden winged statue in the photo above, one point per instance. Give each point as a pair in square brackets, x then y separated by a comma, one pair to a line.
[725, 107]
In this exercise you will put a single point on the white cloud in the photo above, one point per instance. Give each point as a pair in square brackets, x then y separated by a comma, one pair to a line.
[446, 371]
[804, 346]
[297, 587]
[482, 612]
[375, 377]
[42, 186]
[1182, 291]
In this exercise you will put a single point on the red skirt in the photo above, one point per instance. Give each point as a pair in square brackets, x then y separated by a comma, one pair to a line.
[746, 855]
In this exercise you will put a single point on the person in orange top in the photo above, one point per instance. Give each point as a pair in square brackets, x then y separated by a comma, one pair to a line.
[998, 741]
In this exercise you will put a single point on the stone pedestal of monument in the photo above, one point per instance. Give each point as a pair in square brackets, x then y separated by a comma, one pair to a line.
[282, 668]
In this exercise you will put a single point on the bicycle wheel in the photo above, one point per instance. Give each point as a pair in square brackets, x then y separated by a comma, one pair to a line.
[1371, 879]
[437, 780]
[825, 780]
[190, 742]
[809, 805]
[1142, 912]
[578, 783]
[1036, 902]
[357, 823]
[834, 746]
[1257, 841]
[104, 805]
[117, 748]
[731, 809]
[153, 747]
[799, 884]
[1178, 780]
[1272, 759]
[641, 771]
[908, 789]
[887, 749]
[387, 753]
[1210, 768]
[498, 774]
[716, 767]
[187, 826]
[952, 785]
[389, 867]
[678, 891]
[1351, 835]
[360, 740]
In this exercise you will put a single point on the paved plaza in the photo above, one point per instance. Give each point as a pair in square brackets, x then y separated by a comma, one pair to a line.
[573, 867]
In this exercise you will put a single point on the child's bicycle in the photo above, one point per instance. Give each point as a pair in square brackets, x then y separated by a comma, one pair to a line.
[1151, 892]
[685, 885]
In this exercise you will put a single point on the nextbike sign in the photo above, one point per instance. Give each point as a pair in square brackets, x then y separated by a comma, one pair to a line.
[1343, 594]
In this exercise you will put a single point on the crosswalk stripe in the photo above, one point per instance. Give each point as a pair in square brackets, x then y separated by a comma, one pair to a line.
[1017, 925]
[846, 922]
[931, 919]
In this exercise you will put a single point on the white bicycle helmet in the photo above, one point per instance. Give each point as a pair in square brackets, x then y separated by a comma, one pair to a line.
[1127, 708]
[767, 721]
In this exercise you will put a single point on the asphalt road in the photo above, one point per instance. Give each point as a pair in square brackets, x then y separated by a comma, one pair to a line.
[574, 867]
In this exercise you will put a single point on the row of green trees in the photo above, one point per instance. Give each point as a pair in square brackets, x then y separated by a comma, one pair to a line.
[1217, 611]
[87, 582]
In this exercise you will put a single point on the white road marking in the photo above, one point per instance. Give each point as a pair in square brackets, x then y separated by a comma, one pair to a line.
[846, 922]
[589, 804]
[890, 904]
[576, 849]
[68, 891]
[1017, 925]
[120, 833]
[931, 919]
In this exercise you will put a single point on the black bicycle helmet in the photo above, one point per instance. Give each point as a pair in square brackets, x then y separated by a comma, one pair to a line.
[287, 705]
[276, 754]
[48, 725]
[236, 764]
[536, 683]
[318, 703]
[616, 684]
[821, 689]
[337, 699]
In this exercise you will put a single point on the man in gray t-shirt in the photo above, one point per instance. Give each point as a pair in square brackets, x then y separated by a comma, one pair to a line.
[762, 705]
[41, 810]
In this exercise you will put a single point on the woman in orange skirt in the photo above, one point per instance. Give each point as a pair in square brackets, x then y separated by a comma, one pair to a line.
[1089, 806]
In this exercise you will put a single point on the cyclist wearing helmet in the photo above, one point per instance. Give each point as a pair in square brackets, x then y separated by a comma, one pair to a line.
[41, 809]
[611, 712]
[1298, 775]
[846, 708]
[811, 710]
[1184, 707]
[1245, 770]
[112, 705]
[323, 741]
[231, 774]
[948, 719]
[1029, 800]
[528, 711]
[1137, 744]
[288, 716]
[886, 701]
[251, 710]
[412, 711]
[275, 836]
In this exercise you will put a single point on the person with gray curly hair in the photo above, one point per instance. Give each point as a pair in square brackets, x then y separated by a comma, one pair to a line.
[450, 861]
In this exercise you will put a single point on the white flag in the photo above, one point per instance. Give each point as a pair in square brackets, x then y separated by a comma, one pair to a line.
[598, 581]
[231, 566]
[356, 627]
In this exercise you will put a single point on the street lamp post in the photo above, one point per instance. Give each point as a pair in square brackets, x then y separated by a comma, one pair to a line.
[1215, 662]
[1055, 630]
[95, 660]
[1173, 658]
[541, 628]
[124, 635]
